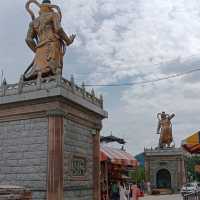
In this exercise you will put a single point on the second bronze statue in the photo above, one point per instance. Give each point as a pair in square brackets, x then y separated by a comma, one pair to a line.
[47, 40]
[165, 129]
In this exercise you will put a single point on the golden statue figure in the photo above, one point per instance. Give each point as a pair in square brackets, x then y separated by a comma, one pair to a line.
[165, 129]
[47, 40]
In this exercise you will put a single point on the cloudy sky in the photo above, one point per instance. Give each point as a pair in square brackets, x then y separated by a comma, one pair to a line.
[119, 42]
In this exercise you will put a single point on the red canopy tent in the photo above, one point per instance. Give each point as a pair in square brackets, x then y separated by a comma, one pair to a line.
[192, 143]
[113, 163]
[118, 157]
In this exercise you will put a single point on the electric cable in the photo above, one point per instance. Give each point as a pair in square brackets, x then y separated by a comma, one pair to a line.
[145, 82]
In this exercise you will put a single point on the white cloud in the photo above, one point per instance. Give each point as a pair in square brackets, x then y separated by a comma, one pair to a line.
[128, 36]
[123, 41]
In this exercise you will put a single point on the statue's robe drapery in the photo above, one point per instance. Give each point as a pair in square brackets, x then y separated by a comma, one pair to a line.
[166, 131]
[49, 46]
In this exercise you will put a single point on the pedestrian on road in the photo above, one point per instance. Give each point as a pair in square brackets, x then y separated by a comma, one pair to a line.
[142, 187]
[135, 192]
[148, 187]
[114, 191]
[122, 191]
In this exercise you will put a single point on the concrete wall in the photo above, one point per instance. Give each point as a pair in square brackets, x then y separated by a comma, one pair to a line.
[23, 155]
[78, 142]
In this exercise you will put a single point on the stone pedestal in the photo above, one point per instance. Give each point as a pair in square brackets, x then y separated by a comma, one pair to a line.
[49, 139]
[165, 168]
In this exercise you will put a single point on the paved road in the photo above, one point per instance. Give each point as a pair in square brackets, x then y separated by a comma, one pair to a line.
[163, 197]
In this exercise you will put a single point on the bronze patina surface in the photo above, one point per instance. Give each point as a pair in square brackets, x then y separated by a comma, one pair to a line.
[165, 129]
[47, 40]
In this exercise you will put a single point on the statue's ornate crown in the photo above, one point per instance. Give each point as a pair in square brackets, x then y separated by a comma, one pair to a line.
[46, 1]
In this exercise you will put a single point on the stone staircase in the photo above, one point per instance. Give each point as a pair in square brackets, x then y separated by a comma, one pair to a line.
[161, 191]
[14, 193]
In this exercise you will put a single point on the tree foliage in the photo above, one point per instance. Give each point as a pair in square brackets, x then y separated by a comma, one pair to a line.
[139, 175]
[191, 162]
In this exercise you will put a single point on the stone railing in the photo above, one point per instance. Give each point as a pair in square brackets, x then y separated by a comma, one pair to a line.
[48, 83]
[173, 149]
[165, 151]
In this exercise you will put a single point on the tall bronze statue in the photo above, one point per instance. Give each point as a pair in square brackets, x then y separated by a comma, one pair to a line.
[165, 129]
[47, 40]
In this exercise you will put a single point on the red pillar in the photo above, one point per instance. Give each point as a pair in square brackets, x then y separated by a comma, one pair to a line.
[96, 166]
[55, 156]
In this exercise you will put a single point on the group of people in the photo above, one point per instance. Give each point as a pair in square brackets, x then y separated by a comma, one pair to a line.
[120, 192]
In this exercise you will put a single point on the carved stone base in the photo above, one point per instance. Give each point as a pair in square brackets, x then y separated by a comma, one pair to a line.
[49, 139]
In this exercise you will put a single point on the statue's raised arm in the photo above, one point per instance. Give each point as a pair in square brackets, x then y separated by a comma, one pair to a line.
[47, 39]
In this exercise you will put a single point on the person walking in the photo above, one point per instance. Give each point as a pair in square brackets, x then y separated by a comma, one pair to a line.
[122, 191]
[114, 191]
[135, 192]
[142, 187]
[128, 194]
[148, 187]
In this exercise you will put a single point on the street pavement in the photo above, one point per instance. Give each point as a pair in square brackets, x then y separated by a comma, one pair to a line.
[163, 197]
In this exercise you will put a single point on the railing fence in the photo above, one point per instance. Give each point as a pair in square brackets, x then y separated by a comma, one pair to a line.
[192, 196]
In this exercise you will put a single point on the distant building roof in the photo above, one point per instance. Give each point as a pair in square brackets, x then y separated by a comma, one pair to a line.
[111, 138]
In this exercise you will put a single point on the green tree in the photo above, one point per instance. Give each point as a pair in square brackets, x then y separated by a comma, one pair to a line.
[138, 175]
[191, 162]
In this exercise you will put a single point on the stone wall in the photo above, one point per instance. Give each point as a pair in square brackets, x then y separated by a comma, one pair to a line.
[23, 155]
[78, 144]
[34, 148]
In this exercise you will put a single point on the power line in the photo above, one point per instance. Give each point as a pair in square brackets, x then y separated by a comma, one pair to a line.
[155, 66]
[145, 82]
[2, 74]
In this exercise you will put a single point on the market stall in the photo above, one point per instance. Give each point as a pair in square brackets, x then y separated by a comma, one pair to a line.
[115, 167]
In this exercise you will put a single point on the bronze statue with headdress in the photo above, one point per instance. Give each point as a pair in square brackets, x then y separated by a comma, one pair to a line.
[47, 40]
[165, 129]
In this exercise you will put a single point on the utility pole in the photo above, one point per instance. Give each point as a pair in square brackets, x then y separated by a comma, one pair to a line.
[2, 76]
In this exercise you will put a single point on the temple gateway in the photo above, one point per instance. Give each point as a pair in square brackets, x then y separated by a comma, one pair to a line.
[165, 166]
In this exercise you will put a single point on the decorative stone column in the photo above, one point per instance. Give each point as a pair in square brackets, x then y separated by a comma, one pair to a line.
[55, 155]
[96, 167]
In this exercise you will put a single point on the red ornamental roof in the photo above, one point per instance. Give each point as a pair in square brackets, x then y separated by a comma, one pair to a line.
[118, 157]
